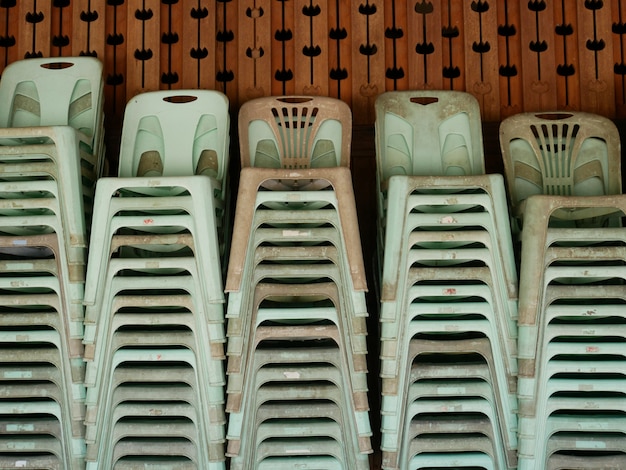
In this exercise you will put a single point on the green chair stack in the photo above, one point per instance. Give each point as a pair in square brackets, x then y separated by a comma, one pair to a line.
[154, 320]
[297, 372]
[51, 153]
[572, 332]
[448, 288]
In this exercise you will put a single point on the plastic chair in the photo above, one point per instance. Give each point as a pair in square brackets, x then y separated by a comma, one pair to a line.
[55, 91]
[247, 206]
[428, 133]
[560, 154]
[295, 132]
[135, 364]
[193, 209]
[176, 133]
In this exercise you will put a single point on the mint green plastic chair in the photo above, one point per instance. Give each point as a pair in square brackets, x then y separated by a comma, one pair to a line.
[176, 133]
[305, 463]
[193, 207]
[138, 359]
[318, 389]
[463, 361]
[55, 91]
[560, 154]
[295, 132]
[428, 133]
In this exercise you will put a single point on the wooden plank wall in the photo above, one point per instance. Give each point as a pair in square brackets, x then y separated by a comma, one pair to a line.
[513, 56]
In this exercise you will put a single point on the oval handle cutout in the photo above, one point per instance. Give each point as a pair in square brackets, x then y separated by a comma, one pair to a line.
[554, 116]
[180, 99]
[295, 99]
[424, 100]
[57, 65]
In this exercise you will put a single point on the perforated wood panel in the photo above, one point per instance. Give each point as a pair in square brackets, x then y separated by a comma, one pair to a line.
[513, 56]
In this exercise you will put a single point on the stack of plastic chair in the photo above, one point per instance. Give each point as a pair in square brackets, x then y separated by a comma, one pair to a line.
[448, 288]
[154, 320]
[51, 152]
[561, 154]
[297, 369]
[572, 333]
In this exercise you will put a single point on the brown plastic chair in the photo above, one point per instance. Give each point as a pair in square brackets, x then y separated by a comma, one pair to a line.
[251, 180]
[295, 132]
[560, 154]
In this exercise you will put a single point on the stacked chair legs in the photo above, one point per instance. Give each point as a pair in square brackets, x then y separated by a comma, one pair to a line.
[297, 388]
[154, 320]
[51, 154]
[448, 325]
[571, 337]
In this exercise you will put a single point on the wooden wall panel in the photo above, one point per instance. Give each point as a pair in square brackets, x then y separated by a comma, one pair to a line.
[115, 60]
[255, 63]
[509, 58]
[618, 29]
[513, 56]
[34, 22]
[596, 54]
[538, 55]
[198, 44]
[565, 39]
[368, 59]
[396, 44]
[88, 28]
[310, 43]
[425, 45]
[143, 43]
[481, 35]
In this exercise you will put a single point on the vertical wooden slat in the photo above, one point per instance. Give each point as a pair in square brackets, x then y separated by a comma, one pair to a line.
[172, 30]
[368, 59]
[567, 66]
[61, 29]
[34, 24]
[396, 46]
[510, 58]
[340, 56]
[9, 35]
[255, 55]
[282, 47]
[227, 51]
[596, 58]
[538, 55]
[453, 45]
[88, 32]
[199, 46]
[618, 28]
[481, 52]
[425, 45]
[143, 46]
[115, 60]
[311, 43]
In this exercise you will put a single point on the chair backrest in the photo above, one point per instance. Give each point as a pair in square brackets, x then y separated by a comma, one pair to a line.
[53, 91]
[176, 133]
[561, 154]
[295, 132]
[428, 133]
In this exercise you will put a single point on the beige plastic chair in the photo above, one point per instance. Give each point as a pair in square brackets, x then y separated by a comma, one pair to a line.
[295, 132]
[251, 182]
[560, 154]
